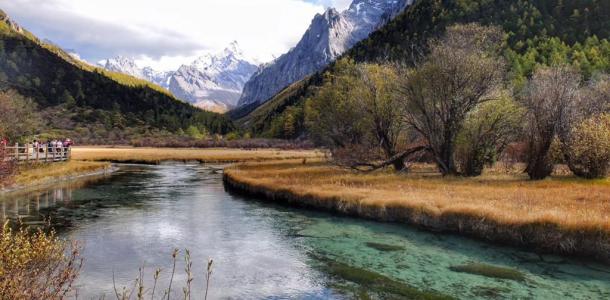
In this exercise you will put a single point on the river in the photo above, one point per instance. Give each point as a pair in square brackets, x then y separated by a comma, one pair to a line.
[137, 216]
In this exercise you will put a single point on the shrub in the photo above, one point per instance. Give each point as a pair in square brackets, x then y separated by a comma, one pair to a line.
[486, 133]
[8, 167]
[589, 147]
[231, 136]
[36, 265]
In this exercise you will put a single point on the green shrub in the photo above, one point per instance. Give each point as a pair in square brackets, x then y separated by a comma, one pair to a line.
[486, 133]
[232, 136]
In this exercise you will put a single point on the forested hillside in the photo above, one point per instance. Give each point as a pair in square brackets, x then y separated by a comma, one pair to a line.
[82, 101]
[542, 32]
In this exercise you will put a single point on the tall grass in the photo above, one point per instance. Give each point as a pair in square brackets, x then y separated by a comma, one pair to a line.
[36, 174]
[213, 155]
[139, 290]
[563, 214]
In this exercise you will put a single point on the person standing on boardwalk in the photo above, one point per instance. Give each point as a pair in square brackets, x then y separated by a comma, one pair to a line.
[58, 146]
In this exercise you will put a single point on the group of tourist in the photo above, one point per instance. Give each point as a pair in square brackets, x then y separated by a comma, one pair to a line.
[57, 146]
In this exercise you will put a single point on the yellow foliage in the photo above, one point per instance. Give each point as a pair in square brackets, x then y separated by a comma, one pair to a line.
[35, 265]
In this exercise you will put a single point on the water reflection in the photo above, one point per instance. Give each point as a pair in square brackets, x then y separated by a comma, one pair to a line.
[30, 207]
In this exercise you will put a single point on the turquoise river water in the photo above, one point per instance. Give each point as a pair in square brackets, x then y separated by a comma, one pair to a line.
[137, 216]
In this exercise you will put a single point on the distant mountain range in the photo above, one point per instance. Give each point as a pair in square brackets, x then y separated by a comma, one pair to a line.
[329, 35]
[88, 103]
[213, 82]
[226, 80]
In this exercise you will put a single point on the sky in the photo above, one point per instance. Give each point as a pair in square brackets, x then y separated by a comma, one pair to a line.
[165, 34]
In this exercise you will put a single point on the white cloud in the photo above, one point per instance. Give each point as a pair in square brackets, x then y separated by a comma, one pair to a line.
[167, 33]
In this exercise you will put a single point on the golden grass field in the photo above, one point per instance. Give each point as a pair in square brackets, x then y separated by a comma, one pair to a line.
[35, 174]
[561, 214]
[213, 155]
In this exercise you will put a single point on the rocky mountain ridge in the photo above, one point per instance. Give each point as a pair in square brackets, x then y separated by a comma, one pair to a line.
[329, 35]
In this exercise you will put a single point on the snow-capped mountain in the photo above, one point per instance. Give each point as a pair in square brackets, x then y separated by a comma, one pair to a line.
[213, 81]
[329, 35]
[128, 66]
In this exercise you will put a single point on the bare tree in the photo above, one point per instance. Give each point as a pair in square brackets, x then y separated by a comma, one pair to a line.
[462, 71]
[596, 98]
[550, 98]
[583, 134]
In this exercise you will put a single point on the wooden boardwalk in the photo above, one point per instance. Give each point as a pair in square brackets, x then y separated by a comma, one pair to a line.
[28, 153]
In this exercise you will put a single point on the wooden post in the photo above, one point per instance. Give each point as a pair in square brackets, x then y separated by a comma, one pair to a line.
[54, 154]
[37, 151]
[17, 151]
[27, 152]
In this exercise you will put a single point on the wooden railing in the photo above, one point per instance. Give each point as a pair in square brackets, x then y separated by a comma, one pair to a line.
[40, 154]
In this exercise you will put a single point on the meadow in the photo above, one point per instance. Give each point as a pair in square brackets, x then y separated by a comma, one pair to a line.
[208, 155]
[37, 174]
[562, 214]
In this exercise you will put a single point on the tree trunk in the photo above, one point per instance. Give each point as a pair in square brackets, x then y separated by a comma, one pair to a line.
[539, 167]
[445, 160]
[539, 164]
[399, 164]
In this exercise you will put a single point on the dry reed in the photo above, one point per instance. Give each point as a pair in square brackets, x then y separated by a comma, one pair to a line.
[211, 155]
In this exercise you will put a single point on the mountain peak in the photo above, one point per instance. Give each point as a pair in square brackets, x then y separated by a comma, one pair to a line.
[330, 13]
[213, 81]
[4, 17]
[234, 47]
[121, 64]
[329, 35]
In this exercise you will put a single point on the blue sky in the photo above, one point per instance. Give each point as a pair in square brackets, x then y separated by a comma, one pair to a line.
[165, 34]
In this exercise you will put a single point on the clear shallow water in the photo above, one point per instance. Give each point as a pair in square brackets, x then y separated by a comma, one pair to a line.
[261, 251]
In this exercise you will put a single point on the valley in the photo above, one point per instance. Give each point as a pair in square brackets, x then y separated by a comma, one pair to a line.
[305, 149]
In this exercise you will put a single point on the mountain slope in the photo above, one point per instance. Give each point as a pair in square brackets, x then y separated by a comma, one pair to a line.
[329, 35]
[539, 32]
[89, 99]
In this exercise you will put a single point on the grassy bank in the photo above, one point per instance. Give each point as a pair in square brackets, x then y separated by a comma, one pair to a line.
[562, 215]
[32, 175]
[212, 155]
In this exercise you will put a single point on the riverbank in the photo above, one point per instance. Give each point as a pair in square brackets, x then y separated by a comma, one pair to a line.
[562, 215]
[207, 155]
[35, 175]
